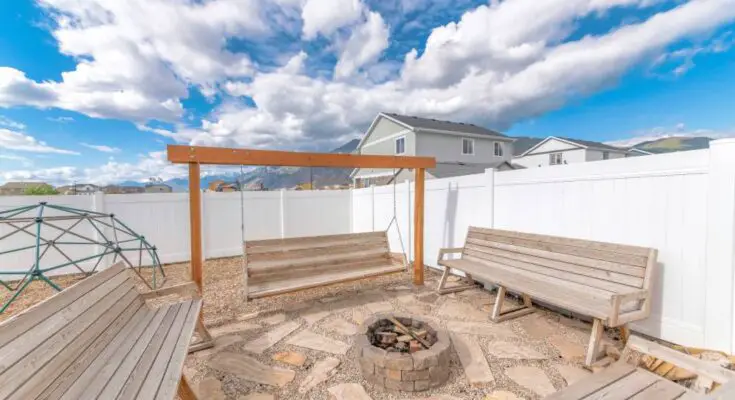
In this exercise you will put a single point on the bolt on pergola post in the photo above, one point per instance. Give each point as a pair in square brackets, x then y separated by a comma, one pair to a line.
[194, 156]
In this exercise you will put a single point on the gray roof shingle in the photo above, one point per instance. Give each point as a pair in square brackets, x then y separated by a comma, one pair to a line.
[435, 124]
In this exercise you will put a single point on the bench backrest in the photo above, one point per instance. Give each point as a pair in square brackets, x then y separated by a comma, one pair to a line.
[280, 259]
[611, 267]
[40, 343]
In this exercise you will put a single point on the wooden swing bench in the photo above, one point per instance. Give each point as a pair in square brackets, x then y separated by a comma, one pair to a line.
[608, 282]
[278, 266]
[99, 339]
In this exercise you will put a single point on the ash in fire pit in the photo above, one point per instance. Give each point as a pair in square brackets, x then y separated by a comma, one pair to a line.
[401, 335]
[402, 353]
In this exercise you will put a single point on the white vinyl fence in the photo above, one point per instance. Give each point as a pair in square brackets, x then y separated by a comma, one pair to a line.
[683, 204]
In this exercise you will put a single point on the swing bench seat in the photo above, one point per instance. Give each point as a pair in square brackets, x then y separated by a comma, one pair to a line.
[279, 266]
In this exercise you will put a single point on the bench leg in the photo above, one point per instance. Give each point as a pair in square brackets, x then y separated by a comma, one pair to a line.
[205, 339]
[185, 392]
[499, 316]
[441, 289]
[595, 339]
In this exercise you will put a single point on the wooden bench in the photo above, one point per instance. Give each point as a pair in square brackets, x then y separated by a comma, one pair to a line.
[608, 282]
[278, 266]
[98, 339]
[623, 380]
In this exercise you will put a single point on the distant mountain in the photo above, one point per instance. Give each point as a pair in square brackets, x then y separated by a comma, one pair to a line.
[671, 144]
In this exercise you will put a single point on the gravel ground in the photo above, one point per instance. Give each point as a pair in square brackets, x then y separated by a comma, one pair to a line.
[224, 304]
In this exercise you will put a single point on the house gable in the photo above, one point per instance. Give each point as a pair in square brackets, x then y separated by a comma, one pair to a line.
[382, 128]
[551, 145]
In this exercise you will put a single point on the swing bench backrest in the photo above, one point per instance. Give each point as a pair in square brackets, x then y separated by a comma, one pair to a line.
[278, 266]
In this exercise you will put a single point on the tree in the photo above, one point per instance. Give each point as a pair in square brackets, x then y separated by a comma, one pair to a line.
[41, 190]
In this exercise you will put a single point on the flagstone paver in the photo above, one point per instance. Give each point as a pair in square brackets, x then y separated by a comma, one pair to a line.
[441, 397]
[315, 314]
[377, 307]
[341, 326]
[210, 388]
[531, 378]
[258, 396]
[502, 349]
[359, 316]
[455, 309]
[473, 360]
[321, 371]
[219, 344]
[315, 341]
[429, 298]
[275, 319]
[271, 337]
[250, 369]
[481, 329]
[348, 391]
[571, 374]
[569, 350]
[537, 326]
[233, 328]
[502, 395]
[290, 357]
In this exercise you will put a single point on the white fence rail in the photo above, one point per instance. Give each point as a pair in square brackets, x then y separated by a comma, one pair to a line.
[683, 204]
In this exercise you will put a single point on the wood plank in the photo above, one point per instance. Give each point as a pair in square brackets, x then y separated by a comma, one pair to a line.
[166, 370]
[33, 338]
[662, 389]
[320, 249]
[607, 246]
[318, 269]
[593, 383]
[610, 256]
[681, 360]
[20, 323]
[180, 154]
[627, 387]
[418, 228]
[315, 341]
[308, 242]
[565, 276]
[572, 300]
[97, 353]
[130, 374]
[323, 259]
[594, 344]
[632, 270]
[281, 287]
[271, 337]
[41, 366]
[195, 224]
[623, 279]
[95, 377]
[475, 366]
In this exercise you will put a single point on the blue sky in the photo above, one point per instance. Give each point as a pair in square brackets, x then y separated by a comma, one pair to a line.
[93, 90]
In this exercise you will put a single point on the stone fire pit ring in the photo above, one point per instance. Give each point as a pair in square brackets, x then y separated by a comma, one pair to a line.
[408, 372]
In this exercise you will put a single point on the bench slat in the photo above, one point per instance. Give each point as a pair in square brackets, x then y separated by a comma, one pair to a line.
[323, 259]
[606, 246]
[18, 324]
[598, 273]
[610, 256]
[54, 352]
[97, 353]
[592, 383]
[279, 275]
[558, 274]
[300, 250]
[627, 387]
[172, 374]
[308, 241]
[566, 258]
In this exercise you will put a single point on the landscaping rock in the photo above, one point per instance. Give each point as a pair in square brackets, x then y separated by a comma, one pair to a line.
[532, 378]
[290, 357]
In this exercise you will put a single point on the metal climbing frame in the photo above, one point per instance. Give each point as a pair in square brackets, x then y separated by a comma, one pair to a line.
[111, 238]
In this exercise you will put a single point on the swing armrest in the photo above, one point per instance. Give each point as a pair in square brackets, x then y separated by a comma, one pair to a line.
[447, 250]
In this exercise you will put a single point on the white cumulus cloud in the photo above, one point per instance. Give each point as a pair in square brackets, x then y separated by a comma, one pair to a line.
[18, 141]
[101, 147]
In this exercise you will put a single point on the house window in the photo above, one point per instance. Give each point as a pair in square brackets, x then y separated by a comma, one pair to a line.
[605, 155]
[468, 146]
[556, 159]
[498, 149]
[401, 145]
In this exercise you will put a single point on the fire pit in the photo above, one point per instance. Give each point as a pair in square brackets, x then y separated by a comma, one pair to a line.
[402, 353]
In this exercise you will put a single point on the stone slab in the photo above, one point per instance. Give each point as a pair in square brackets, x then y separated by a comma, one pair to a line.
[315, 314]
[571, 374]
[501, 349]
[250, 369]
[377, 307]
[481, 329]
[321, 371]
[257, 396]
[341, 326]
[275, 319]
[219, 344]
[359, 316]
[473, 360]
[237, 327]
[271, 337]
[348, 391]
[210, 388]
[502, 395]
[290, 357]
[315, 341]
[459, 310]
[531, 378]
[568, 349]
[537, 326]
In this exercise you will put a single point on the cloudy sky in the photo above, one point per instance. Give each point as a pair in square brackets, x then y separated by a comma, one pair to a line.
[93, 90]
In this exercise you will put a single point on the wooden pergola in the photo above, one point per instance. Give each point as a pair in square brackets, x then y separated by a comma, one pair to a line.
[195, 156]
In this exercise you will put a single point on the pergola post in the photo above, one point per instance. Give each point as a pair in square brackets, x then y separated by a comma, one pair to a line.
[418, 222]
[195, 218]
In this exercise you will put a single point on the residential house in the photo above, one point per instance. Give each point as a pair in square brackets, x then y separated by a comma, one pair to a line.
[558, 150]
[19, 188]
[78, 189]
[158, 188]
[117, 189]
[459, 148]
